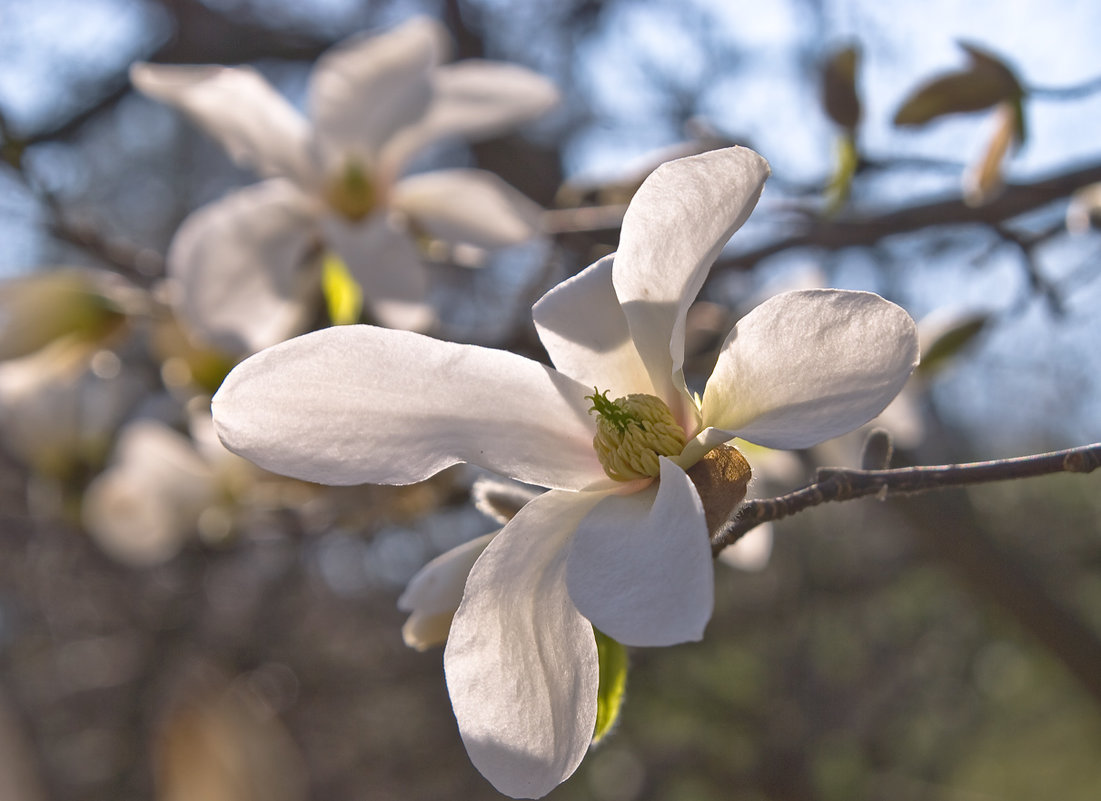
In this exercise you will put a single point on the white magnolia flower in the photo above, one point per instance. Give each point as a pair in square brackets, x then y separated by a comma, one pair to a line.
[336, 177]
[628, 554]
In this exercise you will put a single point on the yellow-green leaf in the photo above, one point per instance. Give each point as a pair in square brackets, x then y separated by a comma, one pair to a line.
[343, 295]
[613, 683]
[951, 341]
[985, 82]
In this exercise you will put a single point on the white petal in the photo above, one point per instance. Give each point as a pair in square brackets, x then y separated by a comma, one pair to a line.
[640, 566]
[256, 125]
[237, 265]
[674, 228]
[809, 365]
[388, 268]
[474, 99]
[583, 328]
[359, 404]
[471, 207]
[521, 661]
[434, 593]
[368, 87]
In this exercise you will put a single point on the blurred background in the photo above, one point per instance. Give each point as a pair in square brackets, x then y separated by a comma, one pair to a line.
[944, 646]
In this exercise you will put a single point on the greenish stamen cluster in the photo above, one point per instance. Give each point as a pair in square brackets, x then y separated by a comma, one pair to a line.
[353, 193]
[632, 432]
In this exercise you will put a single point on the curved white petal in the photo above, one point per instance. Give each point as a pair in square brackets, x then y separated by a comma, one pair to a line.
[474, 99]
[369, 86]
[358, 404]
[521, 661]
[236, 267]
[640, 566]
[388, 267]
[582, 326]
[256, 125]
[674, 228]
[433, 595]
[471, 207]
[809, 365]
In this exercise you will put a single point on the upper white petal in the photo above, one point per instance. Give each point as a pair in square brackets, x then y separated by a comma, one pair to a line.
[521, 661]
[257, 126]
[434, 594]
[474, 207]
[359, 404]
[674, 228]
[237, 267]
[640, 566]
[474, 99]
[809, 365]
[388, 267]
[582, 326]
[368, 87]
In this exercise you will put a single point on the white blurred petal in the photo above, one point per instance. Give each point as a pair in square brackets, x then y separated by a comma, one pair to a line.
[143, 508]
[474, 99]
[369, 86]
[433, 595]
[751, 552]
[583, 328]
[359, 404]
[674, 228]
[521, 661]
[471, 207]
[237, 265]
[809, 365]
[388, 267]
[640, 566]
[256, 125]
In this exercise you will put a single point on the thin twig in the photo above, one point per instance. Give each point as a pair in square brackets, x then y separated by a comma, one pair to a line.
[844, 484]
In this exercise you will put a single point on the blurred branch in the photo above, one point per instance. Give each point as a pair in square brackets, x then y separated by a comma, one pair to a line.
[835, 234]
[844, 484]
[1084, 89]
[200, 35]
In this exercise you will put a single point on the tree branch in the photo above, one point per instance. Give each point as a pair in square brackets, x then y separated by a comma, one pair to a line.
[844, 484]
[835, 234]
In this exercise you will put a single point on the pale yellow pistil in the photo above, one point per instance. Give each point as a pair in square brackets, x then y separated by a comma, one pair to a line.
[352, 193]
[632, 432]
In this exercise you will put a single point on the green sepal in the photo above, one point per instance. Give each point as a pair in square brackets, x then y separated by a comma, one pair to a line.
[612, 656]
[343, 295]
[840, 185]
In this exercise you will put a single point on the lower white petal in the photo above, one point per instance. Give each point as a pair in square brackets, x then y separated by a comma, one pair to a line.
[435, 592]
[640, 566]
[521, 661]
[809, 365]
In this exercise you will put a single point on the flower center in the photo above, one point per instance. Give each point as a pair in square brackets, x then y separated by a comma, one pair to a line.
[352, 193]
[632, 432]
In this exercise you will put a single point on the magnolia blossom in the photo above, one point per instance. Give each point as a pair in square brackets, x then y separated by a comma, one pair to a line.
[620, 542]
[336, 177]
